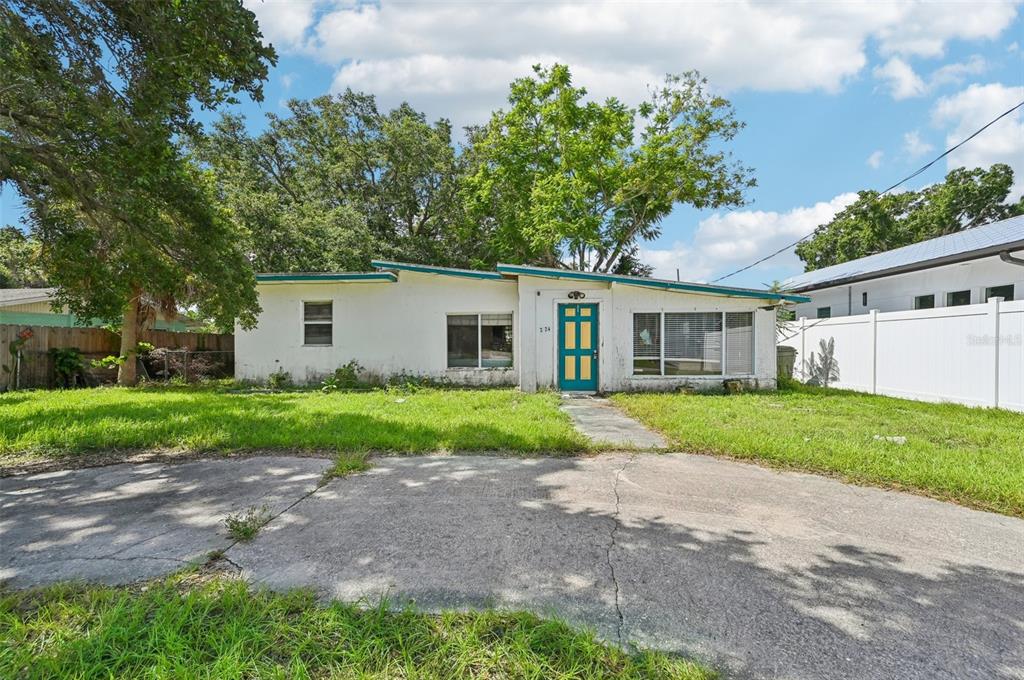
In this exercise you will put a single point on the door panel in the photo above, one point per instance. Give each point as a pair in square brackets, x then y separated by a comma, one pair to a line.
[578, 341]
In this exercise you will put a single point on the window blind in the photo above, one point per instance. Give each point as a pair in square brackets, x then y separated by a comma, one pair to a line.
[693, 343]
[739, 343]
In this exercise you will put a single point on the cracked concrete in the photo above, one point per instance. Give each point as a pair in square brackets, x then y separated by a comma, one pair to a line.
[762, 573]
[603, 423]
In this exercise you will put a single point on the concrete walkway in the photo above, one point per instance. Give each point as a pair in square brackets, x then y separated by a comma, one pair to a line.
[603, 423]
[764, 574]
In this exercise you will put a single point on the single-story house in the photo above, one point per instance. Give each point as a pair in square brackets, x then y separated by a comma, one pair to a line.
[32, 307]
[534, 327]
[964, 268]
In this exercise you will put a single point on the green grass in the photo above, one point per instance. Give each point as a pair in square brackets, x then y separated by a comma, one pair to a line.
[217, 628]
[968, 455]
[243, 526]
[43, 423]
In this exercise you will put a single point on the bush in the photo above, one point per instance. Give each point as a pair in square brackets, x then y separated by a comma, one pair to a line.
[344, 378]
[279, 379]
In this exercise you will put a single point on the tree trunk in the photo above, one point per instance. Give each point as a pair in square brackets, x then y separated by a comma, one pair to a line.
[126, 373]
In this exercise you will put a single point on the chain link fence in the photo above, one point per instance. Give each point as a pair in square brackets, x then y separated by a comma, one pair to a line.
[188, 365]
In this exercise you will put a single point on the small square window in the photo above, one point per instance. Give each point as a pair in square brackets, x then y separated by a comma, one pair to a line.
[1005, 292]
[958, 298]
[317, 326]
[824, 312]
[924, 302]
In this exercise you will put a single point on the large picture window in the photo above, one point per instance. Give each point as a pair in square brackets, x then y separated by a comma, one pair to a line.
[317, 323]
[479, 340]
[693, 343]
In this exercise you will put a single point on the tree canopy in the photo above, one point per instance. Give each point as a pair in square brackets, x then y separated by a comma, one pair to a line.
[336, 183]
[562, 181]
[19, 260]
[873, 224]
[93, 96]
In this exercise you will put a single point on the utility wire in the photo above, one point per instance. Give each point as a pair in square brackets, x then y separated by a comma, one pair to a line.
[905, 179]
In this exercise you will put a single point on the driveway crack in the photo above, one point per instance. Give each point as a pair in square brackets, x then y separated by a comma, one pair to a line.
[611, 545]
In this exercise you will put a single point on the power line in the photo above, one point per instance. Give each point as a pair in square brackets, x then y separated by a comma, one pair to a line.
[909, 177]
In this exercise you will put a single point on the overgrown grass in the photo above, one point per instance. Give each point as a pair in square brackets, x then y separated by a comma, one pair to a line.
[42, 423]
[220, 629]
[969, 455]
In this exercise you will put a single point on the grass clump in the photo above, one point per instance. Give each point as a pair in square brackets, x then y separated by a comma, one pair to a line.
[969, 455]
[243, 526]
[217, 627]
[41, 424]
[346, 464]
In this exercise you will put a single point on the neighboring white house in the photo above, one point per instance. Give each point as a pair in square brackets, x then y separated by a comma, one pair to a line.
[520, 325]
[32, 307]
[968, 267]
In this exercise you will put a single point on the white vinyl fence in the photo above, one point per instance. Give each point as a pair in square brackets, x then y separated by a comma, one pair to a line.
[972, 354]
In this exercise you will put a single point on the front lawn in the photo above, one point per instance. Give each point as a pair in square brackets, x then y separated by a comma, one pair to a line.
[969, 455]
[218, 628]
[46, 423]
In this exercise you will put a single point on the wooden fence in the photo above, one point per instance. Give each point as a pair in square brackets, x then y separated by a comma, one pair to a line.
[94, 343]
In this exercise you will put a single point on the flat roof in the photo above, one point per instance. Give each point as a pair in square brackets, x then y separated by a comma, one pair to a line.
[662, 284]
[969, 244]
[431, 269]
[303, 277]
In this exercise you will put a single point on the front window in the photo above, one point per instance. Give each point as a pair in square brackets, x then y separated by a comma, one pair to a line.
[1005, 292]
[958, 298]
[693, 343]
[479, 340]
[317, 323]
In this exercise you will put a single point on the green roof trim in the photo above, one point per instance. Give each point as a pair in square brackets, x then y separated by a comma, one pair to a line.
[445, 271]
[338, 276]
[526, 270]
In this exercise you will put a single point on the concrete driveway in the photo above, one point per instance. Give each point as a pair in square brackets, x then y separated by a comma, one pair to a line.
[765, 574]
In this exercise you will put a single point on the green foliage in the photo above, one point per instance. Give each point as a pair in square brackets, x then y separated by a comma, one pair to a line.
[111, 361]
[19, 260]
[93, 94]
[243, 526]
[14, 348]
[557, 179]
[198, 418]
[873, 224]
[970, 455]
[338, 182]
[344, 378]
[279, 379]
[194, 625]
[346, 464]
[67, 364]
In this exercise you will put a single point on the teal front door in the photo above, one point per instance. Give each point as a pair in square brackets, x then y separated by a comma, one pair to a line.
[577, 347]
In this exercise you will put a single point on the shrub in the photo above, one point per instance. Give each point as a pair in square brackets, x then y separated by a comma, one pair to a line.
[344, 378]
[279, 379]
[244, 526]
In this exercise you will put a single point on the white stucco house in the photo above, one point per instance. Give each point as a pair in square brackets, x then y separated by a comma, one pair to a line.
[966, 268]
[528, 326]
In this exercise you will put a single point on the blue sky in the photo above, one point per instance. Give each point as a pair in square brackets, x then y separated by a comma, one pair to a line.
[836, 96]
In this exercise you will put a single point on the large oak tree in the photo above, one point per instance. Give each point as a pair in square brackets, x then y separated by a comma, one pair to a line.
[93, 96]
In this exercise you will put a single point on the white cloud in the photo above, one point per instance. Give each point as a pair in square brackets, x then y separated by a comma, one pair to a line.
[447, 58]
[957, 72]
[901, 79]
[914, 146]
[287, 80]
[971, 108]
[728, 241]
[875, 159]
[283, 22]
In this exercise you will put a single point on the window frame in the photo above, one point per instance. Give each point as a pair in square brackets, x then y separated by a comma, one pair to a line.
[949, 301]
[1013, 292]
[304, 322]
[661, 346]
[828, 312]
[917, 299]
[479, 342]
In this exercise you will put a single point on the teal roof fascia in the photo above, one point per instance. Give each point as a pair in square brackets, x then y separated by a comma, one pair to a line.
[352, 276]
[445, 271]
[649, 283]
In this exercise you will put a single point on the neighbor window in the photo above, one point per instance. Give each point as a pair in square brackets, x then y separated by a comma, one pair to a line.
[1005, 292]
[924, 302]
[692, 343]
[864, 299]
[958, 298]
[824, 312]
[479, 340]
[317, 322]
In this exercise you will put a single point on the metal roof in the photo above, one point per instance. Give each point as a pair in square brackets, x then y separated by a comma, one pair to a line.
[303, 277]
[984, 241]
[21, 296]
[430, 269]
